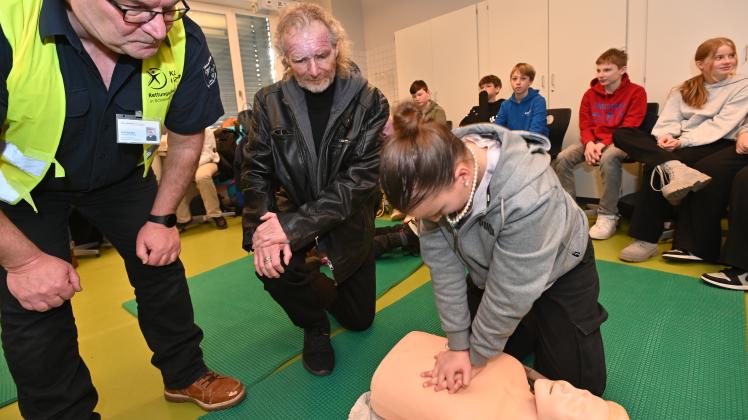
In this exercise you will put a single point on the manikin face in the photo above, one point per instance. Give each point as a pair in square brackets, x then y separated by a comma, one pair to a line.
[720, 65]
[491, 90]
[311, 57]
[421, 98]
[609, 75]
[449, 200]
[561, 400]
[103, 23]
[520, 84]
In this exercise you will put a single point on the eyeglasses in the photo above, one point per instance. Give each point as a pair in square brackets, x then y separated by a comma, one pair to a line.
[141, 16]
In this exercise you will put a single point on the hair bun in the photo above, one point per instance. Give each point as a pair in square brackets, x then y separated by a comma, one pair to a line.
[406, 120]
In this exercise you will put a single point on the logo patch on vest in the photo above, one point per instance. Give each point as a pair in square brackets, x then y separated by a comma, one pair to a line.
[209, 72]
[158, 79]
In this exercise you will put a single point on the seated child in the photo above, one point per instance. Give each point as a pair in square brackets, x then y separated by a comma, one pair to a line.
[421, 95]
[525, 109]
[488, 101]
[611, 102]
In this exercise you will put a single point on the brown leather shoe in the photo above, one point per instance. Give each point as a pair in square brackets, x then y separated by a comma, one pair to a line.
[211, 392]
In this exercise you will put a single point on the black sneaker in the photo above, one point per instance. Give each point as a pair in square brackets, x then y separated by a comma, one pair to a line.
[220, 222]
[318, 357]
[729, 278]
[181, 227]
[681, 255]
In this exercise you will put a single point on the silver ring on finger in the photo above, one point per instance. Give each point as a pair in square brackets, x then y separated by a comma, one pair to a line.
[267, 260]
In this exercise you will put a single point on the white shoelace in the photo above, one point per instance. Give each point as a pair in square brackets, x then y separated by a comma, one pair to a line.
[664, 177]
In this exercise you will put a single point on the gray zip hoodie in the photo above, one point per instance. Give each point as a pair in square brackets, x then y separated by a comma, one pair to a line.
[530, 234]
[719, 118]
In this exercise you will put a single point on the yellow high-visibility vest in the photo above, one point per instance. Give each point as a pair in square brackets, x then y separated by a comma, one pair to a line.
[36, 98]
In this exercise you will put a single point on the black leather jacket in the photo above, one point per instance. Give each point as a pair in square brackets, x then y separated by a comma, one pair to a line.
[330, 198]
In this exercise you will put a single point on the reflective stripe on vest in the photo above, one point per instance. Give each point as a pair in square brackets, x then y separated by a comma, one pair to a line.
[36, 98]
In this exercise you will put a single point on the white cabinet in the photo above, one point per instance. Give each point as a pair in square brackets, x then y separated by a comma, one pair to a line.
[443, 52]
[675, 29]
[561, 39]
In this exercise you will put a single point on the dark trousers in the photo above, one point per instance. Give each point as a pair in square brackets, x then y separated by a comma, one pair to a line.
[563, 328]
[651, 209]
[306, 294]
[735, 251]
[42, 348]
[699, 229]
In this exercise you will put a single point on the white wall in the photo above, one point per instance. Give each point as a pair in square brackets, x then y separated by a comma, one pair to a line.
[381, 19]
[350, 14]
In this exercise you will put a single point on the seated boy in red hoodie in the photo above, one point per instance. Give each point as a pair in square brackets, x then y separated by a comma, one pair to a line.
[611, 102]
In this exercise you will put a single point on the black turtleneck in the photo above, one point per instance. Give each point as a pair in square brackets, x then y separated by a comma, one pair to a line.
[318, 107]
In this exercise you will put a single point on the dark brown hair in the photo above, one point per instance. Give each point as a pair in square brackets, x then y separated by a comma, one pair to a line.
[493, 79]
[418, 85]
[419, 159]
[613, 56]
[692, 90]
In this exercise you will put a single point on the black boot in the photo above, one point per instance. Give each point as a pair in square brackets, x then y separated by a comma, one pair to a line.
[319, 356]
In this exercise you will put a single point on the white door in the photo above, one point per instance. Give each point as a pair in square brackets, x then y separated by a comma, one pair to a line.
[675, 29]
[518, 32]
[579, 31]
[455, 62]
[414, 58]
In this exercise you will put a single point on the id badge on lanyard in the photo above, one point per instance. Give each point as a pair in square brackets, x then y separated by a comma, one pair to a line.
[133, 129]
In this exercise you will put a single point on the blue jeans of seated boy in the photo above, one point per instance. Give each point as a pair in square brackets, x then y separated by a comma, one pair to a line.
[611, 173]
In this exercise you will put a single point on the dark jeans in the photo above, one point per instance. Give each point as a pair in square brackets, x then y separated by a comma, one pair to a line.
[42, 348]
[563, 328]
[699, 215]
[651, 209]
[305, 294]
[735, 251]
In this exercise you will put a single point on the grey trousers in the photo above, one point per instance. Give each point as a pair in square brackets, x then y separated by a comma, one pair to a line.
[610, 169]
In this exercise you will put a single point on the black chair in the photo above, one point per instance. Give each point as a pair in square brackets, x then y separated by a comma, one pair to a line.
[650, 118]
[558, 122]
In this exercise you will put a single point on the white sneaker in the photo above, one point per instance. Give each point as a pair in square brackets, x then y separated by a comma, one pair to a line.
[605, 226]
[638, 251]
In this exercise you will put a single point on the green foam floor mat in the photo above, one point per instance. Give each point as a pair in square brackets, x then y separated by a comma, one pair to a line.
[293, 393]
[675, 349]
[8, 392]
[247, 334]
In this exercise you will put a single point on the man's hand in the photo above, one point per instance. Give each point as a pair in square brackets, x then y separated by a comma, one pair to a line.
[741, 144]
[43, 282]
[268, 259]
[269, 232]
[667, 142]
[157, 244]
[592, 152]
[452, 371]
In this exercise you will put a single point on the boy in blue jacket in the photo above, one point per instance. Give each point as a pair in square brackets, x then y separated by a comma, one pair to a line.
[525, 109]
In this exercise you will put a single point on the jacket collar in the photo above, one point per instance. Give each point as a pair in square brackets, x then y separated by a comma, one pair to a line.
[346, 88]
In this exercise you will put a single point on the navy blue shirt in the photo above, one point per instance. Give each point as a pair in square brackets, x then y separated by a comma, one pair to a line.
[88, 147]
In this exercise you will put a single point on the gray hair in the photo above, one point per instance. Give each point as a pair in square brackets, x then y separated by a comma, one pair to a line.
[296, 17]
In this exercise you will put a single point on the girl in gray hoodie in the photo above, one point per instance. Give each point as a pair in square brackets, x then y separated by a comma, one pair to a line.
[693, 141]
[492, 208]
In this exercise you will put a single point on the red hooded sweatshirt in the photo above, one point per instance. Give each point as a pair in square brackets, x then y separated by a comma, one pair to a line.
[602, 112]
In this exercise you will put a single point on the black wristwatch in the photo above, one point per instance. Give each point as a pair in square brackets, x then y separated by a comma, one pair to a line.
[168, 220]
